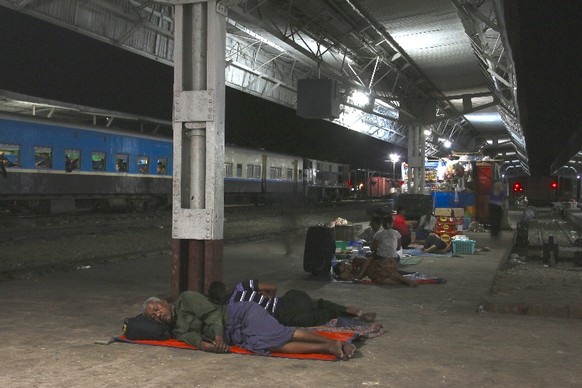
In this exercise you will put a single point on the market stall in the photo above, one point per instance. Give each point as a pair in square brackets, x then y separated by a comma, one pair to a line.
[462, 182]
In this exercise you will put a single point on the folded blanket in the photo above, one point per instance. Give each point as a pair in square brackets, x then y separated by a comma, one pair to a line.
[345, 336]
[344, 324]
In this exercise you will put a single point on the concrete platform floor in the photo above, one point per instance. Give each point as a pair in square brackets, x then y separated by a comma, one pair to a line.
[435, 335]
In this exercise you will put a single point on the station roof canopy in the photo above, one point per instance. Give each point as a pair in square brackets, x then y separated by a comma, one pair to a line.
[454, 53]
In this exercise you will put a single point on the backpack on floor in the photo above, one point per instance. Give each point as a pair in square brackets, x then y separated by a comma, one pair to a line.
[142, 327]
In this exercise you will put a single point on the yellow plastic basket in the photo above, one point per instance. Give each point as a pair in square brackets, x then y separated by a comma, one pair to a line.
[464, 246]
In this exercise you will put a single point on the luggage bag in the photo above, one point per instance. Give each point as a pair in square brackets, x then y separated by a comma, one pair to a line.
[319, 250]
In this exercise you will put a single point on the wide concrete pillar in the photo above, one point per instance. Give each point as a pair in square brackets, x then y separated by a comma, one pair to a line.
[416, 113]
[198, 124]
[416, 159]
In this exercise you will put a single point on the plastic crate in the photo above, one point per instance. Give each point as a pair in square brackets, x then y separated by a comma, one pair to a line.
[464, 246]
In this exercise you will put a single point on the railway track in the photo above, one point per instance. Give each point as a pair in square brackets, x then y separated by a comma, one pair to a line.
[45, 243]
[551, 232]
[30, 227]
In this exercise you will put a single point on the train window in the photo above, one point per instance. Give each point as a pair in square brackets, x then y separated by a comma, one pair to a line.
[97, 161]
[276, 172]
[162, 166]
[290, 174]
[253, 171]
[143, 164]
[72, 159]
[10, 155]
[239, 170]
[43, 157]
[121, 162]
[228, 169]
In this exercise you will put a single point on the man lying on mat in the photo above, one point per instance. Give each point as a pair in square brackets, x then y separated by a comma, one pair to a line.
[294, 308]
[213, 328]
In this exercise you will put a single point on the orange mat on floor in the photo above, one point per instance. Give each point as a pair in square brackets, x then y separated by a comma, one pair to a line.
[346, 336]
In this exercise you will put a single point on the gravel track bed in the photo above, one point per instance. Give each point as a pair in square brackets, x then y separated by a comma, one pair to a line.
[43, 244]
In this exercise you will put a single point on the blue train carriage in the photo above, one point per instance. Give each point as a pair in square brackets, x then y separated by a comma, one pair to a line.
[57, 166]
[325, 182]
[256, 176]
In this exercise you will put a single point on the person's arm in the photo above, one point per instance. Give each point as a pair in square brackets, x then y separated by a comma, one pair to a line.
[216, 346]
[398, 238]
[268, 290]
[209, 316]
[365, 263]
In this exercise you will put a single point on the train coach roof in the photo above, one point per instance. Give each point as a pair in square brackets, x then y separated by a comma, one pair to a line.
[23, 107]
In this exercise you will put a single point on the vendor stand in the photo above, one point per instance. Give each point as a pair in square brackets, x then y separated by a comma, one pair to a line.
[459, 186]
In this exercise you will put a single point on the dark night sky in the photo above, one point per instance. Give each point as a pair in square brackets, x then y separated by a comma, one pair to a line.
[548, 60]
[43, 60]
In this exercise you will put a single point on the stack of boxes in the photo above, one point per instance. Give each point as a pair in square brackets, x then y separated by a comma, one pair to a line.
[449, 222]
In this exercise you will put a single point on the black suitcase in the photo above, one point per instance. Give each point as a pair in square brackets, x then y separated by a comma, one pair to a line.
[319, 250]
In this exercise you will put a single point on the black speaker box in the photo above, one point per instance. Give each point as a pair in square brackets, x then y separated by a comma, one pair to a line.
[318, 98]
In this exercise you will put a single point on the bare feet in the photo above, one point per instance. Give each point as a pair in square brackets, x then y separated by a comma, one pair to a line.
[343, 350]
[348, 350]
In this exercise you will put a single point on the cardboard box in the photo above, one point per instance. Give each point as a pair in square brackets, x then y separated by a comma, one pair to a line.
[449, 211]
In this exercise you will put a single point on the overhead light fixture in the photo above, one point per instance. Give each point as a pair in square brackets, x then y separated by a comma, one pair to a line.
[484, 117]
[445, 142]
[394, 158]
[361, 99]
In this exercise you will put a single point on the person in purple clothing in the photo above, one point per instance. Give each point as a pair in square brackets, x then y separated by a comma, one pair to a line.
[497, 202]
[213, 328]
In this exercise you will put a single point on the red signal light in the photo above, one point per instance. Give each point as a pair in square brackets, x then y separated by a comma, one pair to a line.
[517, 187]
[554, 185]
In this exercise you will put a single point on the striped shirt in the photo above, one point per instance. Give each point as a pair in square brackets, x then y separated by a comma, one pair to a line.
[248, 291]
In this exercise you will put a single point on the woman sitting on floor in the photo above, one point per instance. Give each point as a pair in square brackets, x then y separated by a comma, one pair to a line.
[382, 268]
[435, 244]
